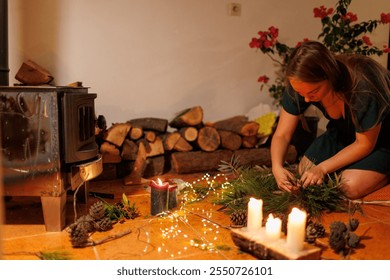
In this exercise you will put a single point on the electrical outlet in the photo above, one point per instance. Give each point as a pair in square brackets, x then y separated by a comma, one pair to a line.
[234, 9]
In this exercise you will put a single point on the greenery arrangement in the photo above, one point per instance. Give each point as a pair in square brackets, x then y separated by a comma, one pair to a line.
[340, 33]
[260, 183]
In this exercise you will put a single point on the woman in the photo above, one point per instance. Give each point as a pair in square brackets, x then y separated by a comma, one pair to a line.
[353, 92]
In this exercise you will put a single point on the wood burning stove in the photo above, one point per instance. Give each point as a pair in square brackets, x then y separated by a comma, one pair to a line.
[48, 145]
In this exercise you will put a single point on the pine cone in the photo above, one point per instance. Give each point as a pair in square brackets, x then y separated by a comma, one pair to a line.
[314, 231]
[353, 240]
[103, 224]
[353, 224]
[238, 218]
[337, 238]
[79, 237]
[97, 210]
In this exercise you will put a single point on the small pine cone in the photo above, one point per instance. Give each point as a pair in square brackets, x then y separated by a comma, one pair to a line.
[79, 237]
[238, 218]
[97, 210]
[103, 224]
[353, 224]
[353, 240]
[85, 223]
[314, 231]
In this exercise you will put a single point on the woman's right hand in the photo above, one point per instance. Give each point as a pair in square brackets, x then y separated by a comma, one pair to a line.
[285, 179]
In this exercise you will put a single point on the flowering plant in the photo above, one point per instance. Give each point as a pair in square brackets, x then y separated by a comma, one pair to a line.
[340, 33]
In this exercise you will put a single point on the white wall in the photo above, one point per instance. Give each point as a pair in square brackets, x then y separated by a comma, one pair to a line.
[153, 58]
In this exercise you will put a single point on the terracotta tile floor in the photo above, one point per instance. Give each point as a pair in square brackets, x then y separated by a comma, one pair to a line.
[174, 237]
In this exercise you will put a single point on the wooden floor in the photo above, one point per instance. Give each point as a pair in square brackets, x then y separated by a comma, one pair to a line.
[196, 231]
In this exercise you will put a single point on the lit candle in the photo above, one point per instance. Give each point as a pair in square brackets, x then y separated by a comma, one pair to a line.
[255, 214]
[273, 228]
[158, 196]
[296, 228]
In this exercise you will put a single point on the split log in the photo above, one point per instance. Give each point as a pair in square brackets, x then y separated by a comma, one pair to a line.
[30, 73]
[155, 124]
[155, 148]
[182, 145]
[230, 140]
[188, 117]
[208, 139]
[170, 140]
[129, 150]
[135, 133]
[189, 133]
[198, 161]
[136, 175]
[250, 141]
[117, 133]
[238, 124]
[155, 166]
[261, 156]
[110, 153]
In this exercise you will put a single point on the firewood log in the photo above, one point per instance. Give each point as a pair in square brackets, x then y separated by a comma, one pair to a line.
[182, 145]
[30, 73]
[110, 153]
[198, 161]
[189, 133]
[129, 150]
[261, 156]
[155, 166]
[117, 133]
[150, 136]
[135, 133]
[170, 140]
[188, 117]
[136, 175]
[249, 141]
[230, 140]
[208, 139]
[238, 124]
[155, 148]
[155, 124]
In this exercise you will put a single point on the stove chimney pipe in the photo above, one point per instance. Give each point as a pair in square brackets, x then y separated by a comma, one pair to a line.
[4, 70]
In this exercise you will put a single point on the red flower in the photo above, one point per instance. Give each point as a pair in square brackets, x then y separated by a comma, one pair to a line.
[322, 12]
[367, 40]
[385, 18]
[263, 79]
[254, 43]
[350, 16]
[386, 49]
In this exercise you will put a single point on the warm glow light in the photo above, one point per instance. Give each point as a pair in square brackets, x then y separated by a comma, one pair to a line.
[296, 228]
[255, 214]
[273, 228]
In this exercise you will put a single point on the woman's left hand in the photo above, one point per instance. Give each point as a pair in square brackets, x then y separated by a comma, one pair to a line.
[313, 176]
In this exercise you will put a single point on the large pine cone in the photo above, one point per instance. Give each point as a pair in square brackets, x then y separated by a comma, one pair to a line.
[103, 224]
[314, 231]
[97, 210]
[238, 218]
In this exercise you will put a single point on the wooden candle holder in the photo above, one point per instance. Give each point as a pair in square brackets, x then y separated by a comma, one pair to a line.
[256, 243]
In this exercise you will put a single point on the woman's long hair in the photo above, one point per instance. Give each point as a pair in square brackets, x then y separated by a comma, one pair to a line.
[351, 76]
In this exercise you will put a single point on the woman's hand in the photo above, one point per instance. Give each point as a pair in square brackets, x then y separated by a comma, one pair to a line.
[285, 179]
[313, 176]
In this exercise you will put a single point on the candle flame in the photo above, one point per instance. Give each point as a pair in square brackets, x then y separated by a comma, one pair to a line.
[159, 182]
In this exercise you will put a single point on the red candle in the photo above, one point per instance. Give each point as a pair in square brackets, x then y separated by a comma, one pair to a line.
[158, 196]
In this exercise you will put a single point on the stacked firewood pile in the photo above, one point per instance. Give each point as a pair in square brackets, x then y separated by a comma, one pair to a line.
[147, 147]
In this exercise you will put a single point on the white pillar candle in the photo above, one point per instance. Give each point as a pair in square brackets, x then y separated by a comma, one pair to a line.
[255, 214]
[273, 228]
[296, 227]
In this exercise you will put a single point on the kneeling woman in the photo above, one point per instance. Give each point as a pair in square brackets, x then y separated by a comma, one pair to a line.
[353, 92]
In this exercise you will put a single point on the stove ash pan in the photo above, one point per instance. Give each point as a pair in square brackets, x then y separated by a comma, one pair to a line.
[47, 140]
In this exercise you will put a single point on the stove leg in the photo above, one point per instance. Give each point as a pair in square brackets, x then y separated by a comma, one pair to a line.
[54, 212]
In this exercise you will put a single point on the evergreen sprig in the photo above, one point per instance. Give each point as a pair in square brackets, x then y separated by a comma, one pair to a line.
[261, 184]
